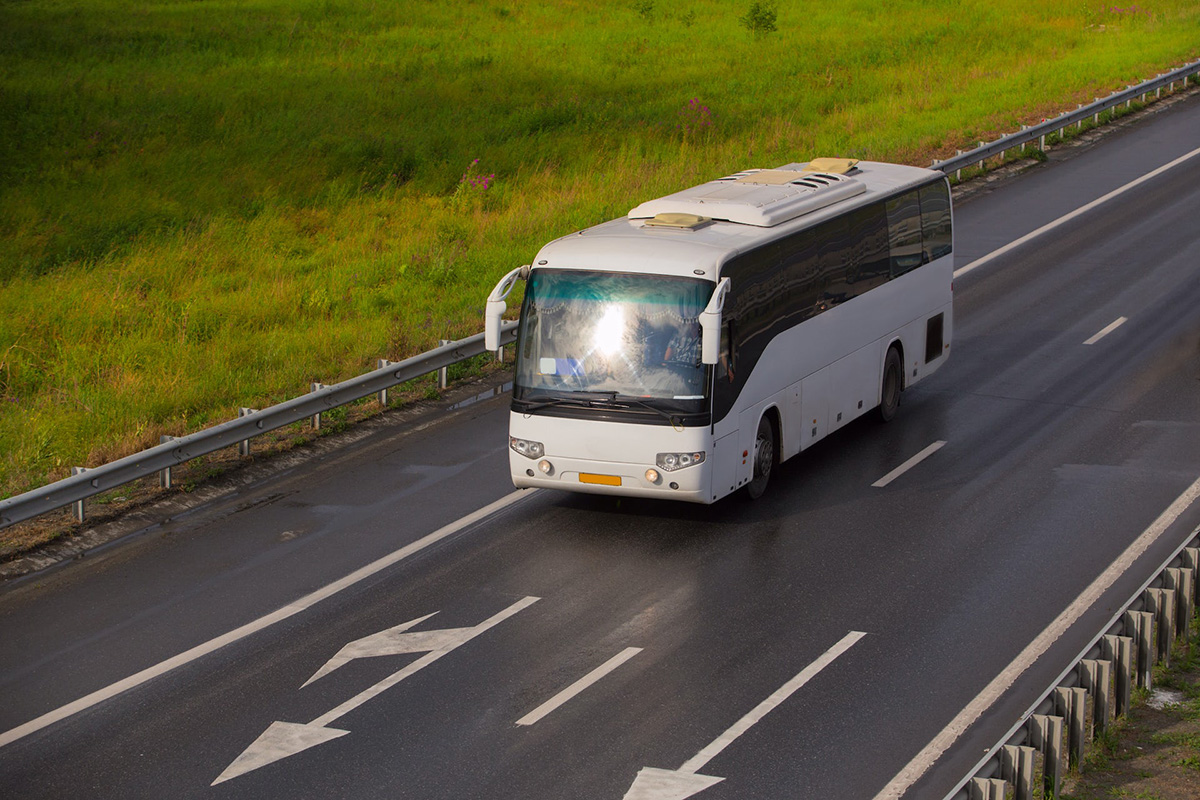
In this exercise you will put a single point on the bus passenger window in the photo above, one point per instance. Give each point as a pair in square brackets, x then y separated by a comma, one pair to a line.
[904, 232]
[935, 220]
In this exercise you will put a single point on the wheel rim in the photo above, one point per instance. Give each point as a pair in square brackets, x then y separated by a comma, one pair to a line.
[764, 457]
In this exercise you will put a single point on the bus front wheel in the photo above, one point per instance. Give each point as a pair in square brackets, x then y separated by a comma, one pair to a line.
[892, 384]
[764, 458]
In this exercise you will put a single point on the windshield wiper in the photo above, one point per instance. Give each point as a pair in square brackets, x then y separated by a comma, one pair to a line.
[607, 398]
[586, 399]
[627, 400]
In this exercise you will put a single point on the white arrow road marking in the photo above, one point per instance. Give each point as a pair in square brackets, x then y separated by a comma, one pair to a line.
[262, 623]
[663, 784]
[390, 643]
[283, 739]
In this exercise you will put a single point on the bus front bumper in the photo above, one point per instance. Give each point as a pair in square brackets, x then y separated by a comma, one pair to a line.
[690, 484]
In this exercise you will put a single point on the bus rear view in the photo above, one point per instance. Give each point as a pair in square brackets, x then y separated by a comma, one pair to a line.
[687, 349]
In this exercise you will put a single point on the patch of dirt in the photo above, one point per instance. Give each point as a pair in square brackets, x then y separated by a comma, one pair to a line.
[1154, 752]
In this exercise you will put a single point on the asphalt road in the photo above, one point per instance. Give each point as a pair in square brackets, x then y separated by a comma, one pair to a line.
[810, 644]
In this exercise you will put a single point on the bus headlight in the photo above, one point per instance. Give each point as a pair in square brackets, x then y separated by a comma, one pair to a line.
[527, 448]
[669, 462]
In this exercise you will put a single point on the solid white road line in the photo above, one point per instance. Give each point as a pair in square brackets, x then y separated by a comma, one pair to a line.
[907, 465]
[1112, 326]
[979, 262]
[304, 603]
[579, 685]
[1036, 649]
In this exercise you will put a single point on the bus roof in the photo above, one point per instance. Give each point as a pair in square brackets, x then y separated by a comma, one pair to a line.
[695, 231]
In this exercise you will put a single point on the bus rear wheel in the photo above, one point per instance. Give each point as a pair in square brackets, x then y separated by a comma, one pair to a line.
[892, 384]
[764, 458]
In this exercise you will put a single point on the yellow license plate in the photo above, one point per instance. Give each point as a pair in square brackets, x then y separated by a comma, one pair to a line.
[603, 480]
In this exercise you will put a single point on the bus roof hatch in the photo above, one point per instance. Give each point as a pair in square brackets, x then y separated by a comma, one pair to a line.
[760, 197]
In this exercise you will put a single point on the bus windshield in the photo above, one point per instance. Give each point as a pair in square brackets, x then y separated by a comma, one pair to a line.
[612, 336]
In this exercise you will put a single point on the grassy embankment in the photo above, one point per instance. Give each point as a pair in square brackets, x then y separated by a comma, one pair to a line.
[209, 204]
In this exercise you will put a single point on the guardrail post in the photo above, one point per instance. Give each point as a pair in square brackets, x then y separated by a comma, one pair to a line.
[316, 418]
[1191, 557]
[244, 445]
[77, 506]
[1141, 624]
[1180, 579]
[1096, 677]
[1071, 704]
[1016, 765]
[987, 789]
[1119, 650]
[383, 393]
[1160, 602]
[1046, 735]
[1191, 560]
[164, 475]
[1166, 630]
[444, 372]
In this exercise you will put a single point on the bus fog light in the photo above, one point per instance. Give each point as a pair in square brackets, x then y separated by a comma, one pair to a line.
[527, 448]
[546, 467]
[669, 462]
[652, 476]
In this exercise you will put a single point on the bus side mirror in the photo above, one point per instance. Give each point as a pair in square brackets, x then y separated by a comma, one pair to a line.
[710, 324]
[496, 307]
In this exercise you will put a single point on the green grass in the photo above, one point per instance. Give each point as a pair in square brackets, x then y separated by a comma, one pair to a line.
[209, 204]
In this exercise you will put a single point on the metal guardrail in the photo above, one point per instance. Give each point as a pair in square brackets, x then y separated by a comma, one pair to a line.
[1039, 132]
[88, 482]
[1123, 655]
[250, 423]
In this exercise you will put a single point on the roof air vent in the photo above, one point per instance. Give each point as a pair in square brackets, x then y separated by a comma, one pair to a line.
[761, 197]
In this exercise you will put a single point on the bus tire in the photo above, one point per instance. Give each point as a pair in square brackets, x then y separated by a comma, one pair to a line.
[893, 383]
[764, 458]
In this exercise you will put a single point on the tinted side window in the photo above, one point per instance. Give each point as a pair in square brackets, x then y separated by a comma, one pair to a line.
[935, 220]
[868, 265]
[837, 253]
[904, 232]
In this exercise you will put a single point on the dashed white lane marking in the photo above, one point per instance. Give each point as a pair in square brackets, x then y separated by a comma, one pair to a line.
[578, 686]
[1112, 326]
[907, 465]
[979, 262]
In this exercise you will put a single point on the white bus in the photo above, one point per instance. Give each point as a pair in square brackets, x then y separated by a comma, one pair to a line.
[685, 350]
